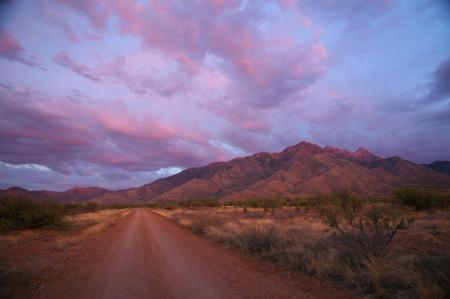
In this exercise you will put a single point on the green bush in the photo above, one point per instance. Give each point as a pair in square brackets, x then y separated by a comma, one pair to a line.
[19, 213]
[422, 199]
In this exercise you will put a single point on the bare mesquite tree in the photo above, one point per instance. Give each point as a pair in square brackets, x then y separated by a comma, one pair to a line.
[363, 228]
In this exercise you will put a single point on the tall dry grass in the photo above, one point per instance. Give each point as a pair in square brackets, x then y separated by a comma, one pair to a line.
[88, 224]
[302, 241]
[80, 227]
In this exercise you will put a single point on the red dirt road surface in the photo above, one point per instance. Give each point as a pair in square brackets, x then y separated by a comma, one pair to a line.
[147, 256]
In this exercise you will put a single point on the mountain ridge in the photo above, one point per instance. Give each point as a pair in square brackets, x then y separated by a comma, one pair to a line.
[301, 169]
[439, 166]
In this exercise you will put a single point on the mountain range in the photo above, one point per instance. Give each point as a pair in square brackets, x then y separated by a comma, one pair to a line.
[302, 169]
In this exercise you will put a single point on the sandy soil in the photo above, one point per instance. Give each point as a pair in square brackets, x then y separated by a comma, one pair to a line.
[147, 256]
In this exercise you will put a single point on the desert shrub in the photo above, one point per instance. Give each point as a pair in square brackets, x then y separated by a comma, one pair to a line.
[259, 239]
[251, 203]
[78, 208]
[91, 206]
[245, 205]
[422, 199]
[435, 278]
[357, 252]
[320, 258]
[169, 207]
[393, 276]
[17, 213]
[270, 204]
[166, 205]
[199, 223]
[267, 204]
[151, 205]
[209, 202]
[194, 203]
[366, 230]
[299, 203]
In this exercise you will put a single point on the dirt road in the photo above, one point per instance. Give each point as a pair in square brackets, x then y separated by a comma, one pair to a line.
[147, 256]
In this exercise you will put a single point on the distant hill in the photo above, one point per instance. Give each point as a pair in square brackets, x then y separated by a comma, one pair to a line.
[440, 166]
[303, 169]
[77, 194]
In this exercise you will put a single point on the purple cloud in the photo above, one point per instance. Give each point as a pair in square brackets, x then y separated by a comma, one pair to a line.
[65, 60]
[97, 12]
[440, 85]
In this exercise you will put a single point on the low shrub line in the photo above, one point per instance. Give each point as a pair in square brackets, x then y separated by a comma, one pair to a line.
[418, 198]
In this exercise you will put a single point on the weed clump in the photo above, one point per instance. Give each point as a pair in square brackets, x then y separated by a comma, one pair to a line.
[199, 225]
[260, 240]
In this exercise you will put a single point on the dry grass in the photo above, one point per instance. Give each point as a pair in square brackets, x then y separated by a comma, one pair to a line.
[416, 265]
[88, 224]
[27, 255]
[80, 227]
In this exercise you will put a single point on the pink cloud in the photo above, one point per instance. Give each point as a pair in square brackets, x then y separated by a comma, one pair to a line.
[8, 45]
[65, 135]
[123, 70]
[253, 125]
[11, 50]
[263, 73]
[222, 59]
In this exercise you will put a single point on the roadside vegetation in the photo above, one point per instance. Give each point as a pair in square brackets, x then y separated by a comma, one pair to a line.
[393, 247]
[422, 199]
[24, 213]
[34, 240]
[18, 213]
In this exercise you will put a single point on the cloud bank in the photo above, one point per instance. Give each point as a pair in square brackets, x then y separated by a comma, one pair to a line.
[118, 93]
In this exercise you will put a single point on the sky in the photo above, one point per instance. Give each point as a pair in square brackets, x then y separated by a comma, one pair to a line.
[117, 93]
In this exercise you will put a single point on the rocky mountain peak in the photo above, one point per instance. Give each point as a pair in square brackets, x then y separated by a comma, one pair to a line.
[301, 149]
[365, 155]
[361, 154]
